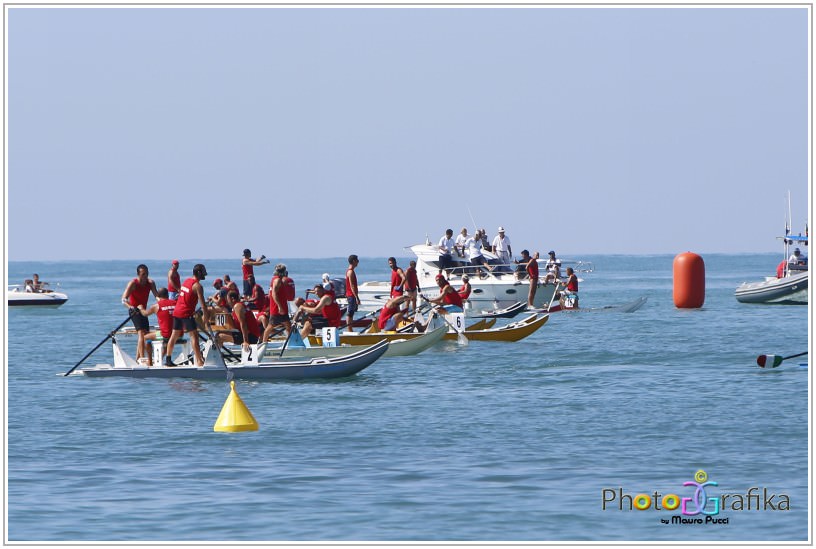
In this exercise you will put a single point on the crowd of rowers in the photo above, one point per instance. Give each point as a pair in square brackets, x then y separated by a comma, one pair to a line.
[256, 315]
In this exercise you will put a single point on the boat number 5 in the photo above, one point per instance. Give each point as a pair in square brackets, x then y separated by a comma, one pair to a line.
[329, 336]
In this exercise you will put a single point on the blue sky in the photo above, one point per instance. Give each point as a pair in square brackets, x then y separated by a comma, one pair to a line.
[157, 132]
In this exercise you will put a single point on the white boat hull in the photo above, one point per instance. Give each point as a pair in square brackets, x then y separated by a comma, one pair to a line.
[17, 298]
[495, 291]
[790, 290]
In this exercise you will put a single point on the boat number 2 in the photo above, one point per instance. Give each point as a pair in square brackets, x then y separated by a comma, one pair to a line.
[249, 356]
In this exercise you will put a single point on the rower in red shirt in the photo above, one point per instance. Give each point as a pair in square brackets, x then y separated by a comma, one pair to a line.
[190, 296]
[448, 298]
[247, 331]
[135, 299]
[464, 291]
[279, 292]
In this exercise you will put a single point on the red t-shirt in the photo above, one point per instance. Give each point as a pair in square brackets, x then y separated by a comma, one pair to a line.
[187, 301]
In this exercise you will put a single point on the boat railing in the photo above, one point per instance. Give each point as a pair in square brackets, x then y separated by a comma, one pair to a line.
[499, 270]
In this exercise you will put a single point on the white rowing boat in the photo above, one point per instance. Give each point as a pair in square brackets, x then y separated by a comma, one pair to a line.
[215, 368]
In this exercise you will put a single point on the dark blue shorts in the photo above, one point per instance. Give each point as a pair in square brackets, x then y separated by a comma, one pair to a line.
[141, 323]
[187, 324]
[352, 305]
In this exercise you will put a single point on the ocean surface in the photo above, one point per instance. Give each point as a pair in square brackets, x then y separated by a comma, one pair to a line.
[487, 442]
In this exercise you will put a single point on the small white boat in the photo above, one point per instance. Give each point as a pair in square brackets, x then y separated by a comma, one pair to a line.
[788, 287]
[17, 296]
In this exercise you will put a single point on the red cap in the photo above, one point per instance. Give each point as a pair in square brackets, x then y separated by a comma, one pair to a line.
[175, 262]
[217, 282]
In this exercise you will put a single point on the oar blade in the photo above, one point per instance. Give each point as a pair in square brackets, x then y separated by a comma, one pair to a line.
[769, 361]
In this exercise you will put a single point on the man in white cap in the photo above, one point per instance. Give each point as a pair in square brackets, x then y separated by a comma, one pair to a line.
[502, 249]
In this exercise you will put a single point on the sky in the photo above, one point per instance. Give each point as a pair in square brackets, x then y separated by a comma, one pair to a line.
[154, 132]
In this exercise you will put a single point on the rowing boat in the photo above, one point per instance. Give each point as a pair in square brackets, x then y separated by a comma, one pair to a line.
[514, 331]
[403, 346]
[214, 367]
[509, 332]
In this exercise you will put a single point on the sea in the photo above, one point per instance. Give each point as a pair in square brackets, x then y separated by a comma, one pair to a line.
[650, 426]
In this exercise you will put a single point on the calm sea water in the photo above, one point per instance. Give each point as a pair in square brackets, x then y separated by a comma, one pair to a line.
[493, 441]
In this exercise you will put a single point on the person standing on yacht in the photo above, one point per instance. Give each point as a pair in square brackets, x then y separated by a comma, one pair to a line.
[475, 245]
[446, 245]
[461, 238]
[553, 269]
[502, 249]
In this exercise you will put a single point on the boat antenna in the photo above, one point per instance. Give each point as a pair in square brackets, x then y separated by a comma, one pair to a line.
[475, 228]
[789, 220]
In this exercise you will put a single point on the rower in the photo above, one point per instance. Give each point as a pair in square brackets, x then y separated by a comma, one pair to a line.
[448, 298]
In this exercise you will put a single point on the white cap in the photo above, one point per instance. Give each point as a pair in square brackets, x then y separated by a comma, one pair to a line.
[326, 276]
[501, 229]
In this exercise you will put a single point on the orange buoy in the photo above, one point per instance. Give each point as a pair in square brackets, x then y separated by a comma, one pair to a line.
[689, 281]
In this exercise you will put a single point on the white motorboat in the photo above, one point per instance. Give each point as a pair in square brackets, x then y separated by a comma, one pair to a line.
[492, 289]
[789, 286]
[18, 295]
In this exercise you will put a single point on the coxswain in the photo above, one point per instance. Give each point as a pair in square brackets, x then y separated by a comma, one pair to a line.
[135, 299]
[191, 294]
[248, 269]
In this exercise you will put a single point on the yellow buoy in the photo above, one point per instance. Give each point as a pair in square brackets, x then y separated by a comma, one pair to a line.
[235, 416]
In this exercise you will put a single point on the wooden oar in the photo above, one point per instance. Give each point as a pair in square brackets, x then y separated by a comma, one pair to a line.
[460, 337]
[107, 337]
[555, 291]
[772, 361]
[293, 327]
